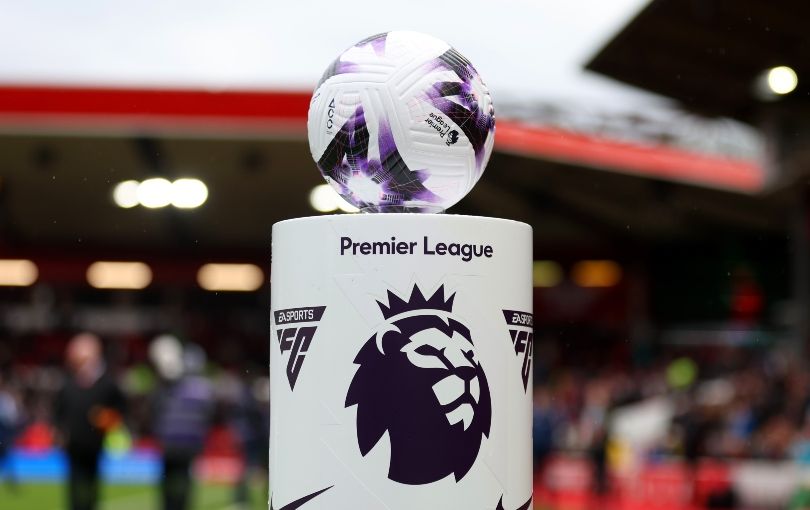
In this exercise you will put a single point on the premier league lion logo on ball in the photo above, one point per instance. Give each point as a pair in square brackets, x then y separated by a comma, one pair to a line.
[420, 380]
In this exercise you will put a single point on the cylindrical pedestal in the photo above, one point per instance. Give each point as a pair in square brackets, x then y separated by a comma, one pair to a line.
[401, 363]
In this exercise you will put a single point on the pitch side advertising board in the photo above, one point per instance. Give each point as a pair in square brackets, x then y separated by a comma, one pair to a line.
[401, 363]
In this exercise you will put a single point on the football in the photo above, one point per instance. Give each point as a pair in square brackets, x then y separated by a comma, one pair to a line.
[401, 122]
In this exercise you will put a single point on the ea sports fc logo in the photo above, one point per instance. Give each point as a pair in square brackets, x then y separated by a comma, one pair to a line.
[420, 380]
[295, 330]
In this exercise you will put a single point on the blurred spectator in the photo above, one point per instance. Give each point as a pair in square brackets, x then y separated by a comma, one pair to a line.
[89, 404]
[245, 419]
[595, 430]
[10, 424]
[544, 426]
[182, 414]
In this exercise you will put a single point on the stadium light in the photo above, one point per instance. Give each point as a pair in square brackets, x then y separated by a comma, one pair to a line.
[324, 198]
[782, 80]
[596, 273]
[119, 275]
[546, 273]
[18, 273]
[155, 193]
[188, 193]
[158, 192]
[230, 277]
[125, 194]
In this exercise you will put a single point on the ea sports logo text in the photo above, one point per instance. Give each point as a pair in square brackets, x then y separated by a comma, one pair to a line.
[419, 380]
[297, 339]
[522, 332]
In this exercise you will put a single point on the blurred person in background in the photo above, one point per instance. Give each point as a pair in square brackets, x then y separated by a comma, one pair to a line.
[89, 404]
[247, 422]
[594, 424]
[544, 425]
[11, 419]
[181, 417]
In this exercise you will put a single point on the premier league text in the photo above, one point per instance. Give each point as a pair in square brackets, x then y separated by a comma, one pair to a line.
[465, 251]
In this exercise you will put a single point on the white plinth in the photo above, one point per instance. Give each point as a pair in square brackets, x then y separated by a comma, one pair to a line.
[385, 392]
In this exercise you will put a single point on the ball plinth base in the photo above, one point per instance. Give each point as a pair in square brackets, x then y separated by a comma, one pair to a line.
[401, 355]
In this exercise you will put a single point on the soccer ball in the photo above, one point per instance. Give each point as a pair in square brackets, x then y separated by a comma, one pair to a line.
[401, 121]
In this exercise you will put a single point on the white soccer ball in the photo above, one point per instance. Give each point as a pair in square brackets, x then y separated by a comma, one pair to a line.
[401, 121]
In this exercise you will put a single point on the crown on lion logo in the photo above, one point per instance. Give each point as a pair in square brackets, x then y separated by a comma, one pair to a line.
[417, 301]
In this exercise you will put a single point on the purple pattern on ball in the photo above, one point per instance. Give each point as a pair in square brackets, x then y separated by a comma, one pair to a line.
[372, 183]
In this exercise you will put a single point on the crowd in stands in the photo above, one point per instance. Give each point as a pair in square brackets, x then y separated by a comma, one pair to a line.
[732, 403]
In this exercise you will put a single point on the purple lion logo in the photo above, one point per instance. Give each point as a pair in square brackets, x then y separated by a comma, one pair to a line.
[420, 381]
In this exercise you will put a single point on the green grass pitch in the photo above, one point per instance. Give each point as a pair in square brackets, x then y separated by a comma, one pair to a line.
[128, 497]
[123, 497]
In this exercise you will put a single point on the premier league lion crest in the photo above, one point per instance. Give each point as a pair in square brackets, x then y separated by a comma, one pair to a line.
[419, 380]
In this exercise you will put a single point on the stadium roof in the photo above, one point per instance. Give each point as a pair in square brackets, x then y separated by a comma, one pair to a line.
[63, 150]
[282, 115]
[711, 56]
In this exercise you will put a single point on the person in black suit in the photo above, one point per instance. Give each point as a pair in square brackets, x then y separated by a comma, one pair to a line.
[88, 405]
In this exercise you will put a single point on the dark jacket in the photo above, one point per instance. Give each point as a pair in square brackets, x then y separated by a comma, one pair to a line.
[76, 413]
